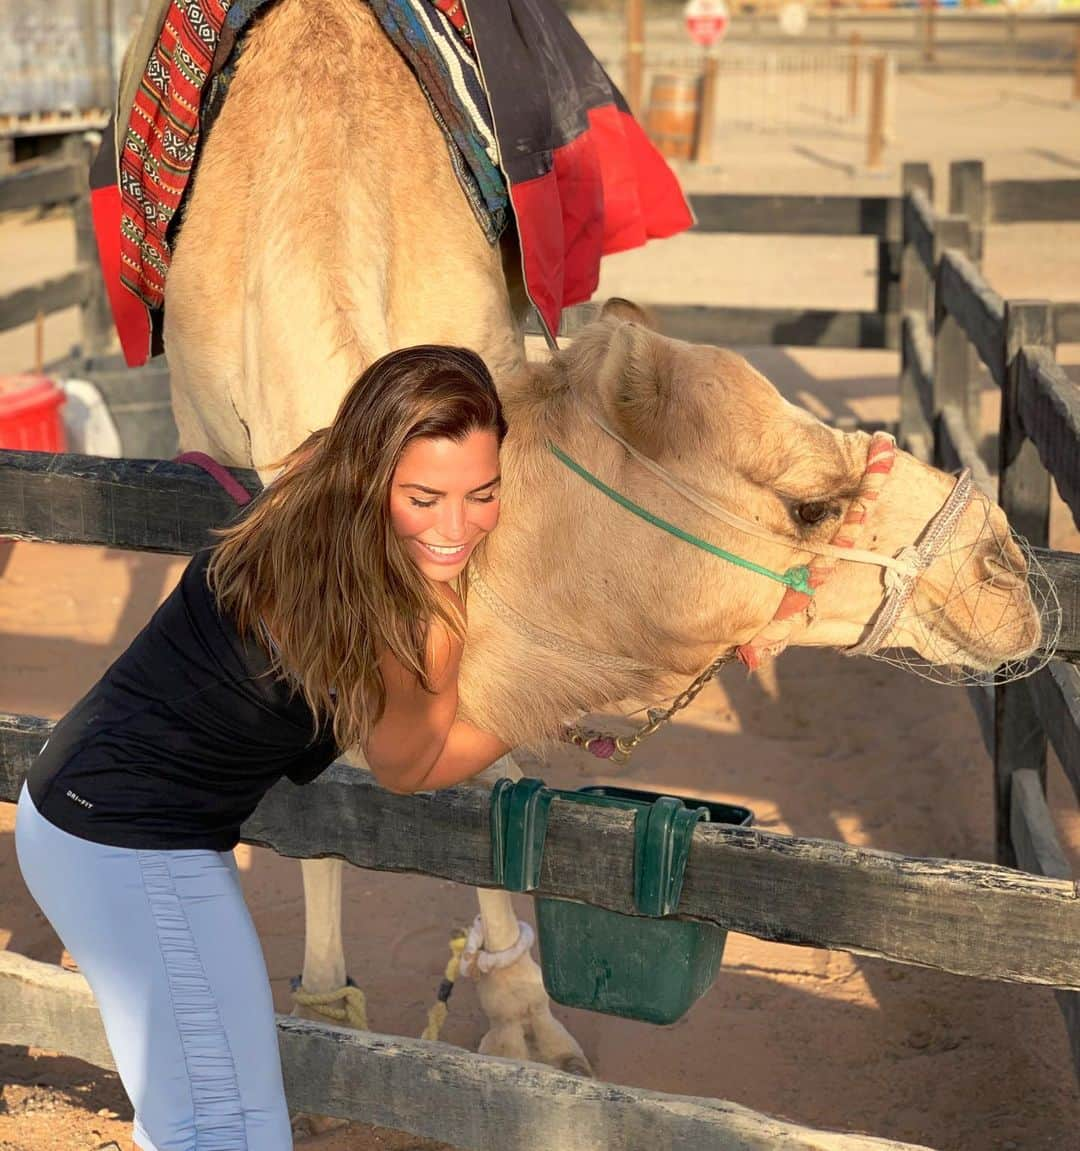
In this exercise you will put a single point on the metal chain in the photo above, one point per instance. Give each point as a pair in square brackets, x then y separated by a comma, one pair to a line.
[624, 746]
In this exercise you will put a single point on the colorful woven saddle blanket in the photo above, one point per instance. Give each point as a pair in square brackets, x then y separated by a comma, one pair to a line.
[536, 132]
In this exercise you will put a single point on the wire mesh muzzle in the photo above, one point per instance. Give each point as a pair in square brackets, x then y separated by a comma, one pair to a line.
[984, 611]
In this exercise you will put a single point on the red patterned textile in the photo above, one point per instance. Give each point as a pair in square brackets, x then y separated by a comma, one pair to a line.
[160, 141]
[454, 11]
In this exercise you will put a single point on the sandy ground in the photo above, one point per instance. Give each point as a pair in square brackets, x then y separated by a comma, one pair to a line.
[827, 747]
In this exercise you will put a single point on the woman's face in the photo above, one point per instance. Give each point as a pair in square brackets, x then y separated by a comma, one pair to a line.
[444, 498]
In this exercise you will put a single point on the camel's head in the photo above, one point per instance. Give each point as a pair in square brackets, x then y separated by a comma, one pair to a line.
[695, 437]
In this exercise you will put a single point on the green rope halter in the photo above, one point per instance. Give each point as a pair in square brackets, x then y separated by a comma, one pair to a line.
[797, 578]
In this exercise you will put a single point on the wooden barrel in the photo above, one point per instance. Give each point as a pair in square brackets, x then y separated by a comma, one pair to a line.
[673, 115]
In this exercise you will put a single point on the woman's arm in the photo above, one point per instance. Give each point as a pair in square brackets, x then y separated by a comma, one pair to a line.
[467, 751]
[411, 732]
[418, 743]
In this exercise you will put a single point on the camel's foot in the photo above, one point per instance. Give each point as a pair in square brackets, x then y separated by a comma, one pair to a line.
[522, 1026]
[344, 1007]
[309, 1126]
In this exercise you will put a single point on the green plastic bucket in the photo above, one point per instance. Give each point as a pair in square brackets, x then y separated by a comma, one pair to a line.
[641, 966]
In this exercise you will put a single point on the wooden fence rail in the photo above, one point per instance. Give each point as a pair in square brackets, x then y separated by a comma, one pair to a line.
[432, 1089]
[66, 184]
[1038, 441]
[875, 216]
[1001, 202]
[964, 917]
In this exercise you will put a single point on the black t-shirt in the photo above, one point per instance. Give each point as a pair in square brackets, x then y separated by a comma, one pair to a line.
[183, 735]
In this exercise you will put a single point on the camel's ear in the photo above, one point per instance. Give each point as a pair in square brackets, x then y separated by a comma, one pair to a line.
[619, 309]
[637, 377]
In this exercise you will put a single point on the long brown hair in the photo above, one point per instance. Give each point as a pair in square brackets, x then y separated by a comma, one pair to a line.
[315, 571]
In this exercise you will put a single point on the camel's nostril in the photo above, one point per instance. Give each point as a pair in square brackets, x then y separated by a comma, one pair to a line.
[1003, 575]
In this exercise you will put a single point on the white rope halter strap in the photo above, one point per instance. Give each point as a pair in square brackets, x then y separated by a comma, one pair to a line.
[898, 588]
[899, 577]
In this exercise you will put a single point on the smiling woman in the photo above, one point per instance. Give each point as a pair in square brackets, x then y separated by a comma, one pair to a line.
[444, 499]
[329, 617]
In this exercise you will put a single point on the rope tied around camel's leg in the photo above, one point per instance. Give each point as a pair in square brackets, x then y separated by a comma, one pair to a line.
[476, 961]
[439, 1010]
[353, 1003]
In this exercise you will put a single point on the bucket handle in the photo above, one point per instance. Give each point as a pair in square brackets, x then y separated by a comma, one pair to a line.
[663, 832]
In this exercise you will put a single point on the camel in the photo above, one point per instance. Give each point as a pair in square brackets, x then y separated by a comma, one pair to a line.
[324, 228]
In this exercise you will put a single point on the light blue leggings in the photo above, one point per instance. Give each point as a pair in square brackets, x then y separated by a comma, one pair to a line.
[167, 944]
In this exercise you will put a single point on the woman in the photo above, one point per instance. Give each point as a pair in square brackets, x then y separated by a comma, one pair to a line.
[330, 617]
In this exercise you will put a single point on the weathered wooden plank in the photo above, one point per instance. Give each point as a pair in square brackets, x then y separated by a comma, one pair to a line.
[67, 291]
[1049, 410]
[1038, 851]
[42, 1005]
[1034, 839]
[954, 379]
[798, 215]
[957, 450]
[1067, 321]
[967, 918]
[41, 185]
[1032, 201]
[977, 308]
[1024, 494]
[918, 357]
[981, 698]
[753, 327]
[967, 198]
[142, 505]
[919, 222]
[432, 1089]
[1056, 693]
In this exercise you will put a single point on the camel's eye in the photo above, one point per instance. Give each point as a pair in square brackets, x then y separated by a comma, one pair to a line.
[813, 512]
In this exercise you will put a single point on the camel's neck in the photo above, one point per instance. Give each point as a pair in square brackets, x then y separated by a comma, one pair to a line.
[557, 625]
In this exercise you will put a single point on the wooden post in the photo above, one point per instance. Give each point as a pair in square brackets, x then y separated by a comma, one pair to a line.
[967, 197]
[929, 21]
[853, 75]
[97, 321]
[635, 55]
[706, 108]
[952, 351]
[1076, 66]
[875, 121]
[1024, 495]
[914, 279]
[912, 432]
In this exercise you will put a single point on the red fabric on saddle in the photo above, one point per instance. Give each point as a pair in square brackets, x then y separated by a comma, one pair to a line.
[583, 178]
[152, 172]
[608, 190]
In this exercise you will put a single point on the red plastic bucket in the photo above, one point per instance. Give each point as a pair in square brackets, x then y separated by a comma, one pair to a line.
[30, 414]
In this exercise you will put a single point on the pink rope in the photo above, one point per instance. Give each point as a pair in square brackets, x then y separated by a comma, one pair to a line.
[209, 465]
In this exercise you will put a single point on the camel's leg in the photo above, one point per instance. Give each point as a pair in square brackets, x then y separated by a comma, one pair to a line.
[514, 999]
[324, 953]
